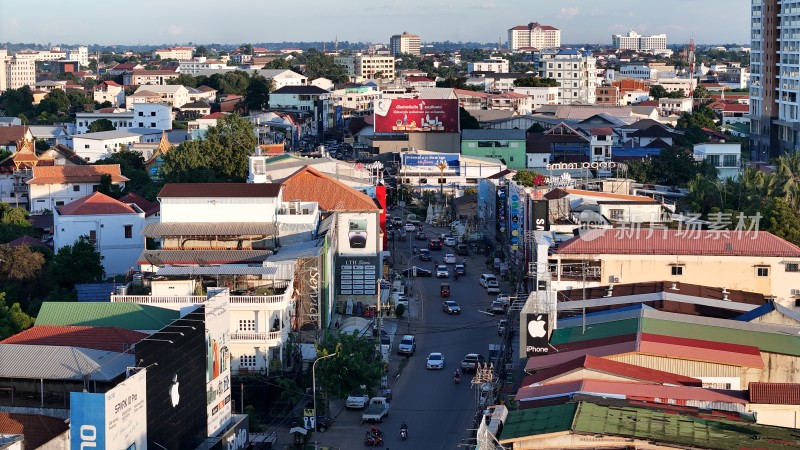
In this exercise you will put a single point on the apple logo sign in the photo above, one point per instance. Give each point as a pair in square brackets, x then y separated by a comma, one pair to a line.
[536, 328]
[174, 395]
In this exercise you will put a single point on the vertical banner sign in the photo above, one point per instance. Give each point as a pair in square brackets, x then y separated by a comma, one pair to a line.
[536, 334]
[541, 216]
[87, 420]
[218, 370]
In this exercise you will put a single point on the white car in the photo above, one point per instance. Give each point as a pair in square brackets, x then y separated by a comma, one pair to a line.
[492, 287]
[435, 361]
[357, 401]
[450, 241]
[449, 258]
[504, 298]
[410, 227]
[442, 272]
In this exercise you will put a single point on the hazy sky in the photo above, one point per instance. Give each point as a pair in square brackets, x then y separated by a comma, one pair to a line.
[239, 21]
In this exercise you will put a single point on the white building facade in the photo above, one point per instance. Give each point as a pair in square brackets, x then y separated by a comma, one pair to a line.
[576, 74]
[54, 186]
[497, 65]
[725, 157]
[152, 116]
[96, 146]
[635, 41]
[405, 43]
[534, 35]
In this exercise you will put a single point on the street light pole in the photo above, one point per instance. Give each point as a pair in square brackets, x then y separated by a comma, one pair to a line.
[314, 388]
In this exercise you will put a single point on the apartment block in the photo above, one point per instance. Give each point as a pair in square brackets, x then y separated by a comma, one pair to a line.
[576, 74]
[367, 67]
[534, 35]
[179, 53]
[405, 43]
[635, 41]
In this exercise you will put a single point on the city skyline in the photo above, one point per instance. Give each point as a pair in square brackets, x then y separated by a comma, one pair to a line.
[580, 21]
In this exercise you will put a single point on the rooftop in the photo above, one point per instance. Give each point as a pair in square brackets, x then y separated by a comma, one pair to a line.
[95, 203]
[76, 174]
[311, 185]
[775, 393]
[129, 316]
[51, 362]
[98, 338]
[38, 429]
[219, 190]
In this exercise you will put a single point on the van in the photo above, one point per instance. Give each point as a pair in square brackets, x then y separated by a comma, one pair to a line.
[484, 280]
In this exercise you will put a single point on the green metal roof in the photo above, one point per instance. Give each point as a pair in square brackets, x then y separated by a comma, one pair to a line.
[595, 331]
[646, 424]
[536, 421]
[130, 316]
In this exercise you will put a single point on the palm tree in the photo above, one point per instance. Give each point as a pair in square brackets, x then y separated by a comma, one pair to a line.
[789, 171]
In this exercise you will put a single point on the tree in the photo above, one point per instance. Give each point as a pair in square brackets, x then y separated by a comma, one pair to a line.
[320, 65]
[701, 92]
[80, 101]
[278, 63]
[184, 79]
[701, 117]
[356, 364]
[55, 102]
[536, 128]
[454, 82]
[19, 263]
[468, 122]
[12, 318]
[234, 82]
[101, 125]
[201, 50]
[77, 263]
[657, 91]
[106, 187]
[529, 178]
[256, 97]
[780, 219]
[16, 102]
[535, 82]
[131, 164]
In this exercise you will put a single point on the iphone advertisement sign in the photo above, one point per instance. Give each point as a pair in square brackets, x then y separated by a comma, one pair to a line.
[358, 234]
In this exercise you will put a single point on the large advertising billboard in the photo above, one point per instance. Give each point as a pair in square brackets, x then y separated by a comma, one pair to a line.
[537, 336]
[357, 276]
[433, 163]
[116, 420]
[218, 370]
[416, 116]
[358, 234]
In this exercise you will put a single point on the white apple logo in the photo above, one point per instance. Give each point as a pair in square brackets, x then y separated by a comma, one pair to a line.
[536, 327]
[174, 395]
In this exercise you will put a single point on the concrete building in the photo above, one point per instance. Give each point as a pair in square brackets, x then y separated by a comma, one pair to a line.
[367, 67]
[155, 116]
[174, 95]
[539, 96]
[95, 146]
[109, 91]
[405, 43]
[16, 72]
[195, 65]
[80, 54]
[493, 64]
[534, 35]
[635, 41]
[112, 226]
[724, 156]
[150, 77]
[179, 53]
[505, 145]
[53, 186]
[576, 74]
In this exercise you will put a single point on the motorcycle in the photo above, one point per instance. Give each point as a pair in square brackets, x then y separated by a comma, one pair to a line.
[403, 433]
[373, 441]
[456, 379]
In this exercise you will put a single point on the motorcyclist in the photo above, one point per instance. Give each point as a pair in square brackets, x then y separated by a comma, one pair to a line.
[456, 275]
[456, 375]
[403, 426]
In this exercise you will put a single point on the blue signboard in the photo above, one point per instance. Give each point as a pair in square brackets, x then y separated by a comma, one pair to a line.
[87, 420]
[338, 115]
[433, 160]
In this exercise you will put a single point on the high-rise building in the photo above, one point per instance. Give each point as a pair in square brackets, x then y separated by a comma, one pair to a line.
[17, 72]
[80, 54]
[576, 74]
[635, 41]
[404, 44]
[773, 93]
[534, 35]
[367, 67]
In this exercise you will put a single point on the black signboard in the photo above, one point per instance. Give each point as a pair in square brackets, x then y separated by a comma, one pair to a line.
[537, 334]
[357, 276]
[541, 216]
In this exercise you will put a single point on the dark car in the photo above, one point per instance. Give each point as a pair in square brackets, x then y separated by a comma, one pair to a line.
[425, 255]
[435, 244]
[451, 307]
[462, 250]
[417, 272]
[421, 236]
[460, 269]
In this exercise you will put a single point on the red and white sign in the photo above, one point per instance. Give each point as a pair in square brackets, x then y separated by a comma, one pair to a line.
[416, 116]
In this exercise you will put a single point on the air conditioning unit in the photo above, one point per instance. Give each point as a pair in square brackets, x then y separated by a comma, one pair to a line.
[795, 291]
[616, 279]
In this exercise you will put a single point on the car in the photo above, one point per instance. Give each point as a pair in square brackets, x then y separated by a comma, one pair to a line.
[450, 241]
[471, 361]
[449, 258]
[451, 307]
[357, 401]
[417, 272]
[501, 326]
[435, 361]
[498, 307]
[397, 222]
[460, 269]
[421, 236]
[462, 250]
[434, 244]
[492, 287]
[410, 227]
[401, 234]
[425, 254]
[504, 298]
[485, 279]
[407, 346]
[442, 271]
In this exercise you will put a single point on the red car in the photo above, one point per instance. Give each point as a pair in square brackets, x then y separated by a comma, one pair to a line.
[435, 244]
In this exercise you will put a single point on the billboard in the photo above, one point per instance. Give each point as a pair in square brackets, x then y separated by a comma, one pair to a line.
[357, 276]
[537, 334]
[431, 162]
[541, 215]
[218, 370]
[357, 234]
[416, 116]
[111, 421]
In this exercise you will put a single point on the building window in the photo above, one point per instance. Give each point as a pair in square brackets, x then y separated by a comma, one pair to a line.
[762, 271]
[792, 267]
[729, 161]
[76, 188]
[86, 146]
[141, 113]
[617, 214]
[677, 271]
[247, 361]
[95, 187]
[141, 124]
[93, 237]
[60, 203]
[247, 325]
[152, 124]
[128, 231]
[152, 113]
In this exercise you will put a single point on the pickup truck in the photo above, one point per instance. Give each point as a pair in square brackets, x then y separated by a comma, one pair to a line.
[357, 401]
[471, 361]
[377, 409]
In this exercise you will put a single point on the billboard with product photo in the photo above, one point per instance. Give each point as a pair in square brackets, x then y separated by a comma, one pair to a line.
[218, 370]
[431, 162]
[116, 420]
[405, 115]
[537, 336]
[358, 233]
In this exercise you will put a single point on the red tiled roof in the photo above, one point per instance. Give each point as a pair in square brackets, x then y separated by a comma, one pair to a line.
[310, 185]
[607, 366]
[416, 79]
[520, 27]
[111, 83]
[679, 242]
[93, 204]
[12, 135]
[468, 93]
[145, 205]
[99, 338]
[27, 240]
[700, 350]
[216, 115]
[602, 131]
[775, 393]
[215, 190]
[38, 429]
[76, 174]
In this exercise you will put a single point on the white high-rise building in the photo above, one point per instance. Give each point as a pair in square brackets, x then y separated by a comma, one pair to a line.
[367, 67]
[534, 35]
[635, 41]
[17, 72]
[576, 74]
[80, 54]
[405, 43]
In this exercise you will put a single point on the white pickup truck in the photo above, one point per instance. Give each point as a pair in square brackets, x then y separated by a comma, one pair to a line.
[377, 409]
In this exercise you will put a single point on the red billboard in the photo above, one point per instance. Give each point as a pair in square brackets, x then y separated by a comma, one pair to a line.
[416, 116]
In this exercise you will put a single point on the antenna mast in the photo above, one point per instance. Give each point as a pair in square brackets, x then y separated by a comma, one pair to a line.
[691, 58]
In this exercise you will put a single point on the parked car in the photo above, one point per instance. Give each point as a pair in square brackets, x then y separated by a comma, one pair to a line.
[421, 236]
[486, 278]
[435, 244]
[435, 361]
[492, 287]
[407, 346]
[442, 272]
[449, 258]
[424, 254]
[357, 401]
[451, 307]
[498, 307]
[471, 361]
[504, 298]
[415, 271]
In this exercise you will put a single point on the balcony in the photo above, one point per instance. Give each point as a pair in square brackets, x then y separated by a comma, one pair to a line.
[270, 338]
[238, 302]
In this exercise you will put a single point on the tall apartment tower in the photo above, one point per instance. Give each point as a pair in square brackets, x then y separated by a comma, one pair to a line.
[773, 93]
[405, 43]
[576, 73]
[534, 35]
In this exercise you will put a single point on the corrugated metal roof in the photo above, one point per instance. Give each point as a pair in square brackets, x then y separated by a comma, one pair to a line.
[502, 135]
[197, 257]
[531, 422]
[571, 330]
[218, 190]
[130, 316]
[99, 338]
[767, 308]
[160, 229]
[775, 393]
[62, 363]
[309, 249]
[536, 363]
[679, 242]
[699, 350]
[216, 270]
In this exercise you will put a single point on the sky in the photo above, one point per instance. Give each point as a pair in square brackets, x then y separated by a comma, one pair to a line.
[151, 22]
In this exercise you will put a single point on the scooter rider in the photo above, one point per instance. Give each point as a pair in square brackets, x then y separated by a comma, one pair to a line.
[403, 426]
[456, 375]
[403, 430]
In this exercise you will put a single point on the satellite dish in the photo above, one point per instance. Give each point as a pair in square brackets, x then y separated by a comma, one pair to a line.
[154, 260]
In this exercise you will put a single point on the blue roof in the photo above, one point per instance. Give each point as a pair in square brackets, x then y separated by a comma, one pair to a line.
[765, 309]
[639, 152]
[95, 292]
[567, 51]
